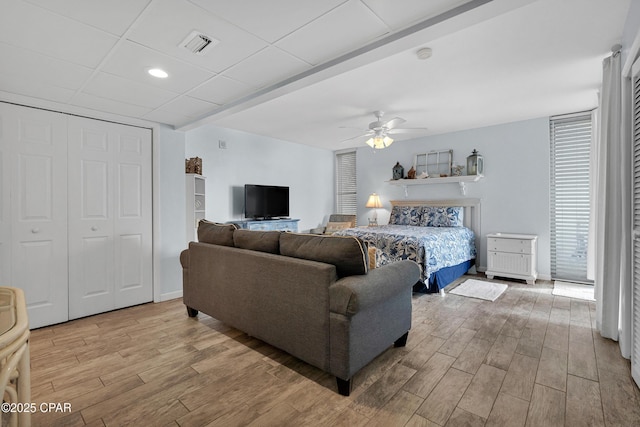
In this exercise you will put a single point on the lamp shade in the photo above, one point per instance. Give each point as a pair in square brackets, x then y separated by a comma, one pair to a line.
[374, 201]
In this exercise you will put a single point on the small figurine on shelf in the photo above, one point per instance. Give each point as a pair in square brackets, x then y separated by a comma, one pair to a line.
[398, 171]
[193, 165]
[456, 170]
[412, 173]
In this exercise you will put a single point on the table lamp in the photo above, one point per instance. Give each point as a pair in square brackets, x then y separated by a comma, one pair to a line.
[374, 202]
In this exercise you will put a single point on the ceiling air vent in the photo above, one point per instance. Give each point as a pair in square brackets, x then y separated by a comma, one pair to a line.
[198, 43]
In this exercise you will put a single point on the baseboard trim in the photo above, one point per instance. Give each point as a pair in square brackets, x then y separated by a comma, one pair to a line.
[540, 276]
[170, 295]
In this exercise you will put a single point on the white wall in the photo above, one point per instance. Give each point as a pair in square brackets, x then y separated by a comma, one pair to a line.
[169, 211]
[254, 159]
[514, 193]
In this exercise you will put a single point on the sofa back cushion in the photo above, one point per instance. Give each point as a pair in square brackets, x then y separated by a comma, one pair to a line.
[347, 253]
[262, 241]
[215, 233]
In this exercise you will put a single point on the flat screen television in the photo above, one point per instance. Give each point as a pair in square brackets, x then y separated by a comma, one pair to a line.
[265, 201]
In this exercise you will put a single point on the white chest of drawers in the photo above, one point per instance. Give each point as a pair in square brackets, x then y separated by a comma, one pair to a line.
[512, 255]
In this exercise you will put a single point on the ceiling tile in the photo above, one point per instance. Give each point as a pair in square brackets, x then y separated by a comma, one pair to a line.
[166, 117]
[169, 22]
[117, 88]
[114, 16]
[269, 20]
[108, 105]
[268, 66]
[33, 66]
[398, 14]
[34, 88]
[132, 61]
[30, 27]
[188, 107]
[342, 30]
[221, 90]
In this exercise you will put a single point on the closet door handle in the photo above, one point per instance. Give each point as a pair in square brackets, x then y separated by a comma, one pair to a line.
[35, 230]
[94, 228]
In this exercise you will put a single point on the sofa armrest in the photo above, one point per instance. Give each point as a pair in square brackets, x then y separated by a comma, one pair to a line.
[353, 294]
[184, 258]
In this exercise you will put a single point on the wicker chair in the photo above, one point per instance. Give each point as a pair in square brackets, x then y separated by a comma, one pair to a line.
[333, 218]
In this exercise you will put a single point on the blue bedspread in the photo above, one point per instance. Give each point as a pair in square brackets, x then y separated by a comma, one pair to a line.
[433, 248]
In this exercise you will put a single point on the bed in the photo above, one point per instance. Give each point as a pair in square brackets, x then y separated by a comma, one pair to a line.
[438, 234]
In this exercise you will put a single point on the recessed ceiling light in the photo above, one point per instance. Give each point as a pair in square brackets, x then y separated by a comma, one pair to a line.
[157, 72]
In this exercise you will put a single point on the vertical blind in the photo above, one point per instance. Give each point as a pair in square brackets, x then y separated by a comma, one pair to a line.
[346, 183]
[570, 198]
[635, 305]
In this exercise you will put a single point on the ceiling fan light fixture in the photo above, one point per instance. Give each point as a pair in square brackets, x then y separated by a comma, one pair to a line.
[379, 142]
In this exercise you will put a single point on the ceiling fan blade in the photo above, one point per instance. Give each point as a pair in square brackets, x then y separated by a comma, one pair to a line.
[356, 137]
[408, 130]
[394, 122]
[350, 127]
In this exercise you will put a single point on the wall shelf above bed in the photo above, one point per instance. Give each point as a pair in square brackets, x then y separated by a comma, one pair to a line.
[461, 180]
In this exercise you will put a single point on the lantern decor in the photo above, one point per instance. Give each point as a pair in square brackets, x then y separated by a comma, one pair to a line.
[475, 163]
[398, 171]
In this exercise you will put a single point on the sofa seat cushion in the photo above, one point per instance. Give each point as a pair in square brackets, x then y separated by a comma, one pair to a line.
[215, 233]
[347, 253]
[262, 241]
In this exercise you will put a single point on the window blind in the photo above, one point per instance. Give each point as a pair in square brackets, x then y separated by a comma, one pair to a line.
[346, 188]
[635, 304]
[570, 198]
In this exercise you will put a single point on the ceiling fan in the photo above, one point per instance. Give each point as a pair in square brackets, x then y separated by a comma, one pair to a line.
[380, 132]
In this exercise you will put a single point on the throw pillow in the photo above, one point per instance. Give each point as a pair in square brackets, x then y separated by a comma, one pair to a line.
[262, 241]
[405, 215]
[347, 253]
[372, 257]
[433, 216]
[215, 233]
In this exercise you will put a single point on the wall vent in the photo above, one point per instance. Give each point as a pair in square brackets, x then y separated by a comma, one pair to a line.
[198, 43]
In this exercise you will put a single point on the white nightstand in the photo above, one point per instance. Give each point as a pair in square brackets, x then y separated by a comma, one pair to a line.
[512, 255]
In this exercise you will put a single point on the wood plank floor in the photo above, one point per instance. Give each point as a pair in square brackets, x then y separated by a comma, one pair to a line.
[527, 359]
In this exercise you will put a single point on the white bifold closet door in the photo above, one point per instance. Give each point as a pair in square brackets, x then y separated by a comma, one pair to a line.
[110, 246]
[33, 207]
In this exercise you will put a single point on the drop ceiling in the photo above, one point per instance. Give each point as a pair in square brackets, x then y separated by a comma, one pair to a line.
[308, 71]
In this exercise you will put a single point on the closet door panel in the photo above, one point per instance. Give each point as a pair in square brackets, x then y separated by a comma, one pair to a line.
[132, 227]
[38, 211]
[110, 222]
[91, 258]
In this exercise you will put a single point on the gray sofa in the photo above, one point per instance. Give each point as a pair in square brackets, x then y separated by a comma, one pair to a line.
[311, 296]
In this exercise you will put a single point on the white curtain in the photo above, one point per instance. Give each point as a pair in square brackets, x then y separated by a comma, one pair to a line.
[611, 212]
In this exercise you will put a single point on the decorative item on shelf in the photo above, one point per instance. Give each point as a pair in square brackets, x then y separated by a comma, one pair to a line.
[435, 163]
[398, 171]
[423, 175]
[193, 165]
[374, 203]
[456, 170]
[475, 163]
[412, 173]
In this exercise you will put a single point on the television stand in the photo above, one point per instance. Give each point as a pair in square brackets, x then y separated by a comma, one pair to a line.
[268, 224]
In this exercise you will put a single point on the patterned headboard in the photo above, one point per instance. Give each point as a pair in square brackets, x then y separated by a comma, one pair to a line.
[470, 206]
